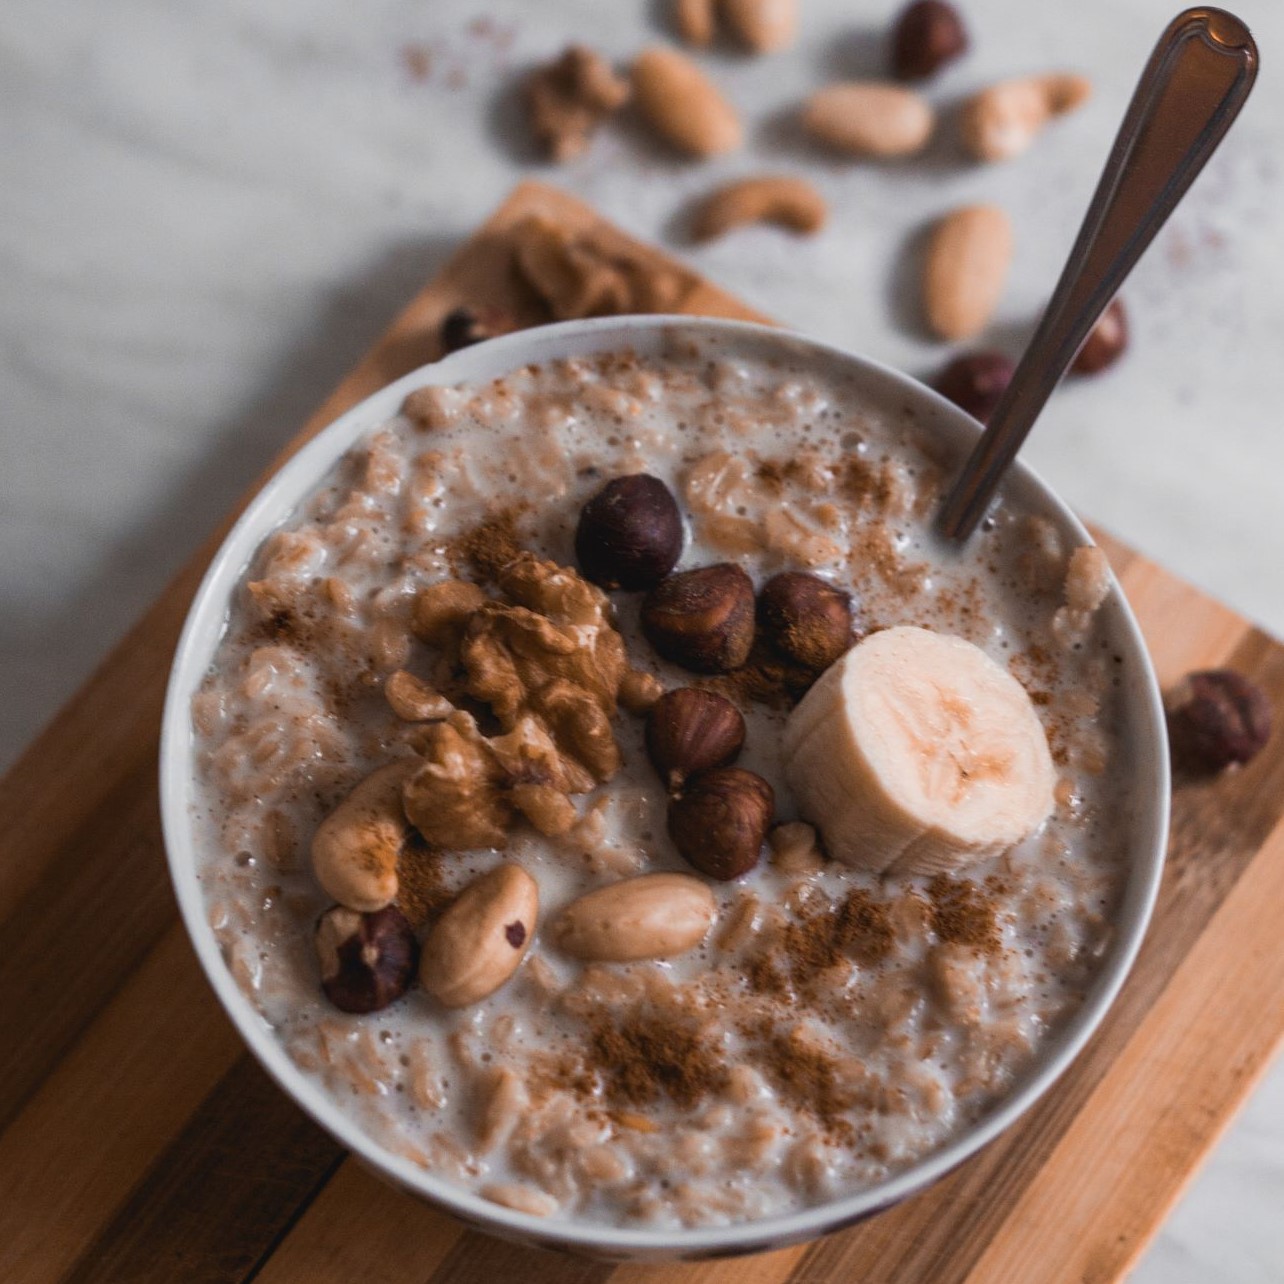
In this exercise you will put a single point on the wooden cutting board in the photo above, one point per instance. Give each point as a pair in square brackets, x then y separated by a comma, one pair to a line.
[140, 1141]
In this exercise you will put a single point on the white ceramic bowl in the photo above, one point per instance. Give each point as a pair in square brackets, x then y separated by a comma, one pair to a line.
[1146, 754]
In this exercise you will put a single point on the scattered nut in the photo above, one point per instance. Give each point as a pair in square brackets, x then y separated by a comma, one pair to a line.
[640, 690]
[791, 203]
[1217, 717]
[975, 381]
[866, 118]
[570, 97]
[720, 823]
[367, 960]
[1105, 343]
[967, 264]
[413, 700]
[927, 35]
[795, 848]
[480, 939]
[463, 327]
[695, 21]
[630, 533]
[702, 619]
[805, 619]
[1002, 121]
[442, 611]
[354, 851]
[764, 26]
[689, 731]
[683, 106]
[653, 916]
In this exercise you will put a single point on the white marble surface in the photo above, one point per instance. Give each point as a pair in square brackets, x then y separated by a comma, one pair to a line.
[208, 210]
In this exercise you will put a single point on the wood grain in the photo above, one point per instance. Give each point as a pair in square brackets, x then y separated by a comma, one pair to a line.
[139, 1140]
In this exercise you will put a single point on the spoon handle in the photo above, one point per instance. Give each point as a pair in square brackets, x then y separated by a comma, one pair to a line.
[1192, 89]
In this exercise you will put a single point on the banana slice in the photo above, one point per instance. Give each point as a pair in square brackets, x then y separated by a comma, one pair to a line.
[918, 754]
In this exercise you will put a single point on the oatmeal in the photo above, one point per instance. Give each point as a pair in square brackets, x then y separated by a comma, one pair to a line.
[525, 870]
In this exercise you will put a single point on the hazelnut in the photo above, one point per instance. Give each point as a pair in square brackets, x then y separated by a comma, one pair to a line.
[927, 35]
[702, 619]
[630, 533]
[1215, 718]
[975, 381]
[367, 960]
[720, 823]
[1105, 343]
[805, 619]
[689, 731]
[463, 327]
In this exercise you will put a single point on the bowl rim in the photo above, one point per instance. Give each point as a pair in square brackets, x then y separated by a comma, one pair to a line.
[298, 475]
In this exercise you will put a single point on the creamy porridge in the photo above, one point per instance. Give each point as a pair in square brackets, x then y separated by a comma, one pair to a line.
[419, 700]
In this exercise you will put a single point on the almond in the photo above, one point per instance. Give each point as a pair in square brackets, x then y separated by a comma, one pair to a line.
[967, 263]
[1002, 121]
[478, 942]
[654, 916]
[695, 21]
[763, 25]
[869, 119]
[683, 105]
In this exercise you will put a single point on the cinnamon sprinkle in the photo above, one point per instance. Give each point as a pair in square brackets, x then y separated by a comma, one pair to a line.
[488, 547]
[963, 914]
[421, 892]
[643, 1056]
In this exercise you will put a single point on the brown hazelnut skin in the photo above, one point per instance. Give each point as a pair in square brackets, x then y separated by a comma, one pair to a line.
[463, 327]
[975, 381]
[805, 619]
[1217, 717]
[367, 960]
[630, 533]
[702, 619]
[720, 823]
[689, 731]
[1105, 343]
[927, 35]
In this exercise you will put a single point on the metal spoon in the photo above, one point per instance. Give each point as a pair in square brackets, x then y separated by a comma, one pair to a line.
[1193, 87]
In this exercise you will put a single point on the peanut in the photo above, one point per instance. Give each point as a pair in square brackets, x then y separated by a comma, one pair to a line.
[967, 263]
[788, 202]
[763, 25]
[694, 20]
[478, 942]
[654, 916]
[683, 105]
[866, 118]
[355, 849]
[1002, 121]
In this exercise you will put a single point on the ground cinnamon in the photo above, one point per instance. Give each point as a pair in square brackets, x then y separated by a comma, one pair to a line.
[857, 928]
[644, 1056]
[421, 892]
[488, 547]
[963, 914]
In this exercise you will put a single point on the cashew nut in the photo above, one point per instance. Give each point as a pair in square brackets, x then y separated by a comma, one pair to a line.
[1002, 121]
[789, 202]
[355, 849]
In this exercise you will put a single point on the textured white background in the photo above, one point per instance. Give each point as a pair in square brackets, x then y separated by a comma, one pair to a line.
[208, 210]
